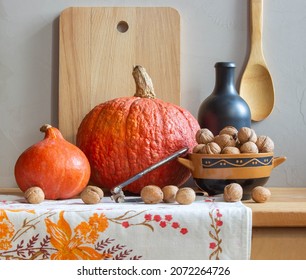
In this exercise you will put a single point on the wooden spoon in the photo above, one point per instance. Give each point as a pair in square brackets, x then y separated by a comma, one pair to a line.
[256, 86]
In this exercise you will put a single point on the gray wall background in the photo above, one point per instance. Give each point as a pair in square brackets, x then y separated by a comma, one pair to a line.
[211, 31]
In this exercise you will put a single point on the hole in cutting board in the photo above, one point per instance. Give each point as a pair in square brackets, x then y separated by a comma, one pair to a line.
[122, 26]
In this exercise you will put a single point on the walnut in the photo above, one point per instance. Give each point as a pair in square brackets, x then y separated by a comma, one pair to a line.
[249, 147]
[225, 140]
[169, 193]
[232, 192]
[265, 144]
[34, 195]
[260, 194]
[204, 136]
[230, 150]
[198, 148]
[185, 196]
[230, 130]
[92, 195]
[211, 148]
[151, 194]
[246, 134]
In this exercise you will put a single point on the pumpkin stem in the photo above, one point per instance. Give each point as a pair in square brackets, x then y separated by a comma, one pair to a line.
[144, 85]
[51, 132]
[45, 127]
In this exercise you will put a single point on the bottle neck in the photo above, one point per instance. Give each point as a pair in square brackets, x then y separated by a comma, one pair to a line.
[225, 78]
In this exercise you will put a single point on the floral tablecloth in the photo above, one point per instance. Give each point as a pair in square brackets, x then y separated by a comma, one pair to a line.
[207, 229]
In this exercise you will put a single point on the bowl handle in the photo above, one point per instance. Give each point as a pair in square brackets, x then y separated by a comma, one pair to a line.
[186, 162]
[278, 160]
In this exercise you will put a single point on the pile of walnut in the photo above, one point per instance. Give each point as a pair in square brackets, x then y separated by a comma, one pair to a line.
[231, 141]
[90, 195]
[150, 194]
[233, 193]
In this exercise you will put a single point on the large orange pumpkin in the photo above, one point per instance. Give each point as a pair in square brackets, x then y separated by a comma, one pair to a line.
[123, 136]
[58, 167]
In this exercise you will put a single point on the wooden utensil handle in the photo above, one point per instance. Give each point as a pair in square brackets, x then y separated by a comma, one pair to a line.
[256, 22]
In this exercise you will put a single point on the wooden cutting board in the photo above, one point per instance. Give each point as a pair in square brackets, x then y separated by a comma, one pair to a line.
[98, 48]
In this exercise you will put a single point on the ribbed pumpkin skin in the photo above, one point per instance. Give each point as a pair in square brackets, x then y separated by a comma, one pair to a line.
[124, 136]
[59, 168]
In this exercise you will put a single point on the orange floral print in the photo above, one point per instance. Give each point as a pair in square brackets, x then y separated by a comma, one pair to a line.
[31, 211]
[6, 231]
[89, 232]
[73, 246]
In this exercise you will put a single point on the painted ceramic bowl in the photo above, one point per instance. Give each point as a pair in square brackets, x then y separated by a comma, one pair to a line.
[213, 172]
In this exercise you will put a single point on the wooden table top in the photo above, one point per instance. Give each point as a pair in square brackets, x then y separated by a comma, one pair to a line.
[286, 207]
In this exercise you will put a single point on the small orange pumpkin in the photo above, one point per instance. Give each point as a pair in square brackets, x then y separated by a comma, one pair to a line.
[123, 136]
[58, 167]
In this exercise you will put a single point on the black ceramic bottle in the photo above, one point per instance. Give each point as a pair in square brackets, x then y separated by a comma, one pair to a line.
[224, 107]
